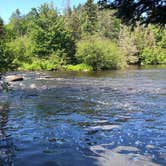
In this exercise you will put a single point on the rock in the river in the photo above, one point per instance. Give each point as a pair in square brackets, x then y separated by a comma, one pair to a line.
[3, 108]
[12, 78]
[33, 86]
[3, 85]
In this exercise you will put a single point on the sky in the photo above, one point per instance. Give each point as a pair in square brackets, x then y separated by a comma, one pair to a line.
[7, 7]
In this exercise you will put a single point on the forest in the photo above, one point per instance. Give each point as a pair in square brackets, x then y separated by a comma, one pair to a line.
[82, 38]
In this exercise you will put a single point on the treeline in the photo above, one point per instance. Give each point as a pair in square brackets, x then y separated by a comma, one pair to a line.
[83, 38]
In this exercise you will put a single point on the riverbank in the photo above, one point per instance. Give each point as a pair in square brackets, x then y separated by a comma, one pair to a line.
[77, 69]
[87, 68]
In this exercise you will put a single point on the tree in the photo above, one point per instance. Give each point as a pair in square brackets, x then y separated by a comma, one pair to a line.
[100, 53]
[49, 35]
[1, 28]
[73, 24]
[89, 18]
[16, 23]
[5, 56]
[109, 25]
[128, 46]
[147, 11]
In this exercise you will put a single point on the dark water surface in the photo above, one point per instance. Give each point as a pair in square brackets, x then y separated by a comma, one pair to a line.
[113, 118]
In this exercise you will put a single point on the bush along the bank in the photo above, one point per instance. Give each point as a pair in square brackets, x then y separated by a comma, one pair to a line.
[153, 56]
[101, 54]
[78, 67]
[53, 62]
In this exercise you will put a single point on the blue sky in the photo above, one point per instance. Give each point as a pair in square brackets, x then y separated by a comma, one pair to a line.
[9, 6]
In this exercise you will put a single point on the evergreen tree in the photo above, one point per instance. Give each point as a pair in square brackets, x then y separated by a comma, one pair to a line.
[73, 24]
[5, 56]
[89, 17]
[16, 24]
[109, 25]
[49, 34]
[1, 28]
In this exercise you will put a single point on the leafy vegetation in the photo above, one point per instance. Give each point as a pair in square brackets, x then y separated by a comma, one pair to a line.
[100, 54]
[153, 56]
[5, 55]
[83, 39]
[78, 67]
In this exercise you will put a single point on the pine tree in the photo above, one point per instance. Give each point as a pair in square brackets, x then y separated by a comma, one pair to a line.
[90, 17]
[1, 28]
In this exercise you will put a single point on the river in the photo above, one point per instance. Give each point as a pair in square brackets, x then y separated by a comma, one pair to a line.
[114, 118]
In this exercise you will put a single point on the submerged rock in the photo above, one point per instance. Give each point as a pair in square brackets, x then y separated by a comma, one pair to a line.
[12, 78]
[33, 86]
[3, 85]
[3, 107]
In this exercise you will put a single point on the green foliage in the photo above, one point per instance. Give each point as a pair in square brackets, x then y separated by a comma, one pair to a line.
[83, 39]
[54, 62]
[1, 28]
[79, 67]
[21, 50]
[109, 25]
[154, 47]
[38, 65]
[128, 46]
[17, 25]
[153, 56]
[100, 54]
[89, 17]
[35, 65]
[49, 34]
[73, 25]
[5, 55]
[134, 43]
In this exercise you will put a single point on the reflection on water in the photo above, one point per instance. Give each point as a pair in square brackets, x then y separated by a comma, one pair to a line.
[104, 118]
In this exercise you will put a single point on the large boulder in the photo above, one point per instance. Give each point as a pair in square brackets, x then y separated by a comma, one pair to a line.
[12, 78]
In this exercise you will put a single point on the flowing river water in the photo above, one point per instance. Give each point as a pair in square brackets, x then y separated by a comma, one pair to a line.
[115, 118]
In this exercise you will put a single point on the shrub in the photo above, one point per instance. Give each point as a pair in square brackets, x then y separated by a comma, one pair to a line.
[53, 62]
[100, 54]
[79, 67]
[153, 56]
[33, 66]
[6, 58]
[21, 50]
